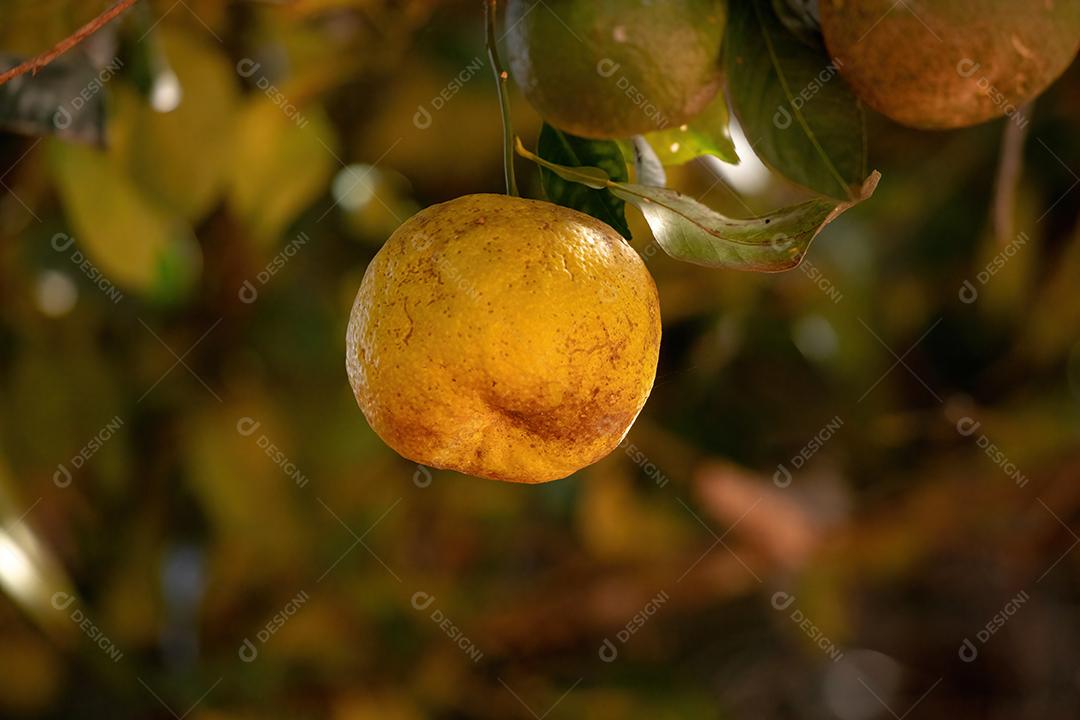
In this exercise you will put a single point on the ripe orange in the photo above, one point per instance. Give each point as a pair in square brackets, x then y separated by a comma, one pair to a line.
[504, 338]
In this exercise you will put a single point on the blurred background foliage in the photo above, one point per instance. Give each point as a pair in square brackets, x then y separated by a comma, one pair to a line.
[180, 534]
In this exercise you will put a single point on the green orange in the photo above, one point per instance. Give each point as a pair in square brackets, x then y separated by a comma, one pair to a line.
[614, 69]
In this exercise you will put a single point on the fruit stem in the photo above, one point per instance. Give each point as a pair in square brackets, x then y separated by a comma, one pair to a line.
[501, 78]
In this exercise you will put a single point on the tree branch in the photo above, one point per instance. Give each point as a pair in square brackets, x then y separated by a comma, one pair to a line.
[36, 63]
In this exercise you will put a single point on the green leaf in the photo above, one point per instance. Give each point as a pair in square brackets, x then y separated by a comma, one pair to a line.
[694, 233]
[602, 158]
[798, 114]
[706, 134]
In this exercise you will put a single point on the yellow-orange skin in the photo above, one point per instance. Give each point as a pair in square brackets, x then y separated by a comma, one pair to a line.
[504, 338]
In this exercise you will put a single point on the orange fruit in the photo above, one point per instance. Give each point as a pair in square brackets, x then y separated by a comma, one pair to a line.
[616, 68]
[504, 338]
[950, 63]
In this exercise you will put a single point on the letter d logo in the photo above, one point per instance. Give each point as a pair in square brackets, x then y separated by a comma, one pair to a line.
[966, 426]
[62, 477]
[422, 118]
[782, 600]
[422, 477]
[607, 67]
[782, 477]
[61, 242]
[248, 652]
[782, 118]
[247, 67]
[61, 118]
[967, 67]
[62, 600]
[246, 426]
[422, 600]
[247, 294]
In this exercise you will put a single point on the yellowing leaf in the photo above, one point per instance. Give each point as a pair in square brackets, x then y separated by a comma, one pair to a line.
[131, 240]
[279, 166]
[233, 458]
[707, 134]
[180, 156]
